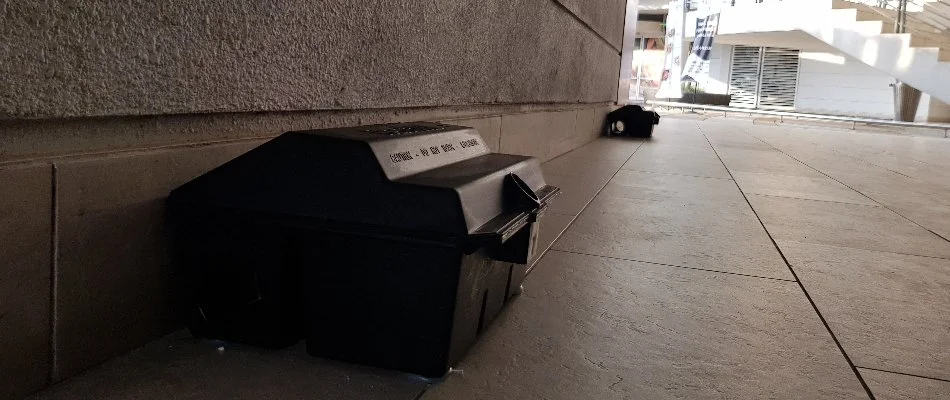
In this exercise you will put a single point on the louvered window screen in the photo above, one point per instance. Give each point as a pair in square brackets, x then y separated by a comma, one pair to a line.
[744, 79]
[779, 78]
[764, 77]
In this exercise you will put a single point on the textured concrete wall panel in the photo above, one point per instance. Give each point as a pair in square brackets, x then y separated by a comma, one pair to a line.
[604, 16]
[25, 258]
[488, 128]
[542, 135]
[42, 139]
[115, 285]
[71, 58]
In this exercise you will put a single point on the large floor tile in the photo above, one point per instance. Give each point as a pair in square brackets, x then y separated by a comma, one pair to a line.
[767, 161]
[712, 192]
[581, 166]
[596, 328]
[916, 198]
[929, 214]
[888, 310]
[597, 160]
[614, 149]
[846, 225]
[816, 187]
[674, 159]
[179, 367]
[921, 202]
[733, 138]
[552, 225]
[888, 386]
[681, 140]
[902, 162]
[675, 232]
[848, 170]
[576, 191]
[882, 185]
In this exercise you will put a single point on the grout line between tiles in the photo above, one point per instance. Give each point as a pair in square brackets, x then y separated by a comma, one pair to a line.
[422, 392]
[871, 250]
[54, 274]
[550, 246]
[814, 306]
[905, 374]
[545, 252]
[672, 265]
[869, 163]
[818, 200]
[501, 132]
[850, 187]
[670, 173]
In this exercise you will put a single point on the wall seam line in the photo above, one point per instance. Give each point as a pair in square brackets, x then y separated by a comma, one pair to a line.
[586, 25]
[541, 105]
[37, 159]
[54, 274]
[501, 132]
[498, 141]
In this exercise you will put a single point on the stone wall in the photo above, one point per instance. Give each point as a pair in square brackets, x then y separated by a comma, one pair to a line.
[73, 58]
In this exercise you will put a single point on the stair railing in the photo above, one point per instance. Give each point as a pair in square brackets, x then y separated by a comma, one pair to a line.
[902, 14]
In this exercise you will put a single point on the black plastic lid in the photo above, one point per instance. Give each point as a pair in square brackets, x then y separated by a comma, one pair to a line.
[419, 179]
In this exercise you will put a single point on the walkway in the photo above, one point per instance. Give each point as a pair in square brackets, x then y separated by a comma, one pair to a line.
[721, 259]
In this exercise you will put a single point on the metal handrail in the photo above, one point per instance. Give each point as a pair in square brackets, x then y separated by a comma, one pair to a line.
[853, 120]
[900, 6]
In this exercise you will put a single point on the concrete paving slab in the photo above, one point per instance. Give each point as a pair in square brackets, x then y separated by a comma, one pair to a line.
[675, 159]
[613, 148]
[597, 328]
[762, 161]
[179, 367]
[930, 212]
[576, 191]
[678, 132]
[846, 225]
[552, 225]
[847, 170]
[656, 186]
[675, 232]
[915, 156]
[800, 187]
[734, 139]
[581, 166]
[889, 386]
[920, 200]
[888, 310]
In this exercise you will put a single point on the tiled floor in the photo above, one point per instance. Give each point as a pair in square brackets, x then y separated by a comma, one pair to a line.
[720, 259]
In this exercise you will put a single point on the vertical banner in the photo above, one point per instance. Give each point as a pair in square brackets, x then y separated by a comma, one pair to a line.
[697, 64]
[672, 63]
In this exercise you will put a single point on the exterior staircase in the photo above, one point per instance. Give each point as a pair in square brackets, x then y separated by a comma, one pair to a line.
[863, 30]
